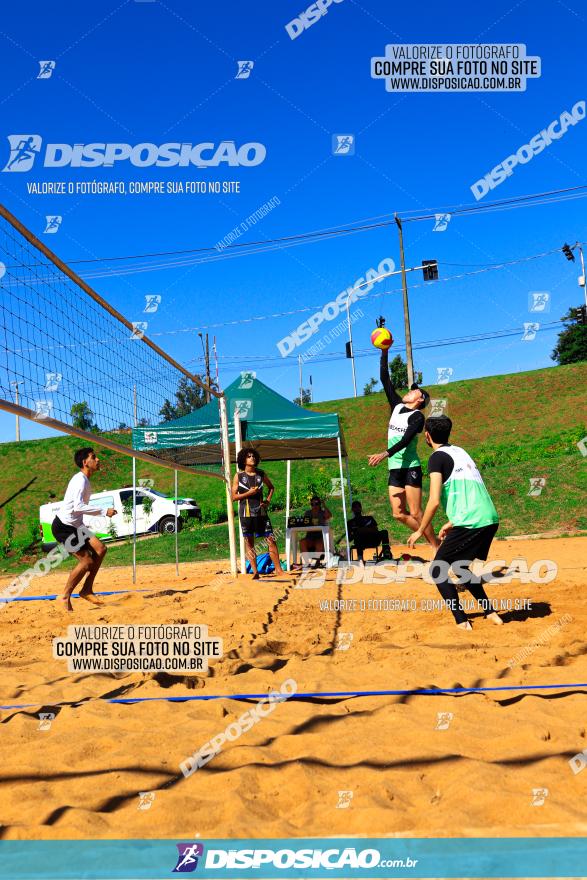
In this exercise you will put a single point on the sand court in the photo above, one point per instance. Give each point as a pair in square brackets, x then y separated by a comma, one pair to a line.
[339, 757]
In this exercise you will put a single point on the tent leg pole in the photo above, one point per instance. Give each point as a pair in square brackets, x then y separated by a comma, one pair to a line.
[227, 482]
[287, 495]
[348, 480]
[134, 520]
[176, 529]
[346, 525]
[238, 445]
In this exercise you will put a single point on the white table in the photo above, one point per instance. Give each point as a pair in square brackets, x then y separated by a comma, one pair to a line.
[291, 543]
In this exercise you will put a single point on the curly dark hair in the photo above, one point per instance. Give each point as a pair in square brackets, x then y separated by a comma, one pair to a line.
[241, 458]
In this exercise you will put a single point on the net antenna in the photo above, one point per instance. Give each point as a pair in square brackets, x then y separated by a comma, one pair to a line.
[77, 359]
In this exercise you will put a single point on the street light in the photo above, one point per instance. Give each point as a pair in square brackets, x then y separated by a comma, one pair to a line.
[568, 252]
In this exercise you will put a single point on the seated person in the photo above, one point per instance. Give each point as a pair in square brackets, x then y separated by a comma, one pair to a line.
[363, 530]
[313, 542]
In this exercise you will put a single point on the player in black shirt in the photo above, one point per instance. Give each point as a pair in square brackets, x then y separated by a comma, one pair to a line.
[247, 489]
[363, 529]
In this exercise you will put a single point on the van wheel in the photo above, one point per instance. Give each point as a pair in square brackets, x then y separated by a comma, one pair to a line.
[167, 524]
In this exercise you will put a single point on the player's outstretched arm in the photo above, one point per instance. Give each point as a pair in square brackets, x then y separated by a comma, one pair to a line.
[391, 394]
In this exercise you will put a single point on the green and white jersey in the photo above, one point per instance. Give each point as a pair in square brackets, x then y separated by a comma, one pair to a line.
[464, 494]
[404, 423]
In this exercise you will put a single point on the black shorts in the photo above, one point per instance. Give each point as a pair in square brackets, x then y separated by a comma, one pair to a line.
[402, 477]
[467, 544]
[258, 526]
[68, 536]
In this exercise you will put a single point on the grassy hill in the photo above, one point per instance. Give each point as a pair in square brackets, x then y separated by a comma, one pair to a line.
[516, 427]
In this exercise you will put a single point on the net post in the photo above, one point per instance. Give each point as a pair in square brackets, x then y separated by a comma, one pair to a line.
[176, 525]
[238, 445]
[134, 520]
[346, 525]
[226, 465]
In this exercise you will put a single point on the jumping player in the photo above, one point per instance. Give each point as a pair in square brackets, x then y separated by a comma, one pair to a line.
[405, 470]
[473, 521]
[247, 489]
[70, 524]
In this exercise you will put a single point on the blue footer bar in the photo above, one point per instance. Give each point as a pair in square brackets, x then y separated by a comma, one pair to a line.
[308, 857]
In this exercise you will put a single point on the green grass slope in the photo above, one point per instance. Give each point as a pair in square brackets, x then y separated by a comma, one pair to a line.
[516, 427]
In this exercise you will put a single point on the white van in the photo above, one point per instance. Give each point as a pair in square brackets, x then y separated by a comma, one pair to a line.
[155, 513]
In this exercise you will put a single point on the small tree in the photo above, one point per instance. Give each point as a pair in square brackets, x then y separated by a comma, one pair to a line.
[306, 397]
[369, 387]
[571, 346]
[398, 373]
[83, 416]
[188, 396]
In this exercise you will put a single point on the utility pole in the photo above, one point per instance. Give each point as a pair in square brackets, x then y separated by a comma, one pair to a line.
[206, 349]
[409, 359]
[300, 368]
[583, 280]
[17, 401]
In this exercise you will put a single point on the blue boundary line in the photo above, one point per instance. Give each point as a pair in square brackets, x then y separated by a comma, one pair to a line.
[417, 692]
[74, 596]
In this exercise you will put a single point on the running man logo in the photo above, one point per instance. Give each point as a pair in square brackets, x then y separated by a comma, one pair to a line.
[146, 482]
[152, 302]
[150, 437]
[578, 762]
[539, 795]
[2, 270]
[539, 301]
[138, 329]
[242, 408]
[244, 69]
[52, 381]
[45, 720]
[54, 221]
[188, 855]
[247, 379]
[336, 486]
[438, 407]
[343, 641]
[24, 149]
[441, 222]
[46, 69]
[343, 145]
[344, 800]
[43, 409]
[443, 375]
[537, 484]
[582, 447]
[443, 720]
[530, 331]
[146, 799]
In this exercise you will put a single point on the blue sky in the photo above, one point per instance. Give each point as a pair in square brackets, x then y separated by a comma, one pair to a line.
[156, 72]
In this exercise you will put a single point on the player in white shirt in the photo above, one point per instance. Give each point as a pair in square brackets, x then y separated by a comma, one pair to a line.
[68, 529]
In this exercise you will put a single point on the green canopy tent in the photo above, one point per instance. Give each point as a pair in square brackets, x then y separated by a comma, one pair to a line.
[257, 416]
